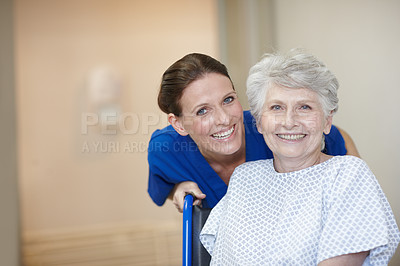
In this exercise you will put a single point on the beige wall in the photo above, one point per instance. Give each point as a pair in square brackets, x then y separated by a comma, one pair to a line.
[246, 32]
[9, 225]
[64, 181]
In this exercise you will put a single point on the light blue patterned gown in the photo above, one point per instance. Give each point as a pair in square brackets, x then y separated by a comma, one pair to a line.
[302, 217]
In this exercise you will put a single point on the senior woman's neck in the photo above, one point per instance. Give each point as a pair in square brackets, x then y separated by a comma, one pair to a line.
[287, 164]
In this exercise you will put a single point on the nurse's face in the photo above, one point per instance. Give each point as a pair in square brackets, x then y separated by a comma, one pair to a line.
[212, 115]
[293, 122]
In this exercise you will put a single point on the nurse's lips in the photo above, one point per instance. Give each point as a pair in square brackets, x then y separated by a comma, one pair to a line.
[223, 135]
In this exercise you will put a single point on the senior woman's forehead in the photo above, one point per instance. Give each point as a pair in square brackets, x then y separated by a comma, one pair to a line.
[290, 90]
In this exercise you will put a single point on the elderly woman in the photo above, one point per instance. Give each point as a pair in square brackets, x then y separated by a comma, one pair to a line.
[302, 207]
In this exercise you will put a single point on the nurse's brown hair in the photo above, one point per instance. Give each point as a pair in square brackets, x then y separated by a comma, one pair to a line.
[180, 74]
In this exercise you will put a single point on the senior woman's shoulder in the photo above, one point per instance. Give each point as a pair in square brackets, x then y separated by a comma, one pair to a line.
[350, 160]
[352, 167]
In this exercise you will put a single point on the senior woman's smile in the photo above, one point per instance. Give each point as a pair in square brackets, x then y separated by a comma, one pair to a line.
[291, 137]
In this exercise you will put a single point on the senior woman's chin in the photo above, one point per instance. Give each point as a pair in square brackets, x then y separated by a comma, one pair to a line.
[300, 148]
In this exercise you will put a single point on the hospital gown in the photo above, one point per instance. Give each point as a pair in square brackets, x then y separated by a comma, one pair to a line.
[302, 217]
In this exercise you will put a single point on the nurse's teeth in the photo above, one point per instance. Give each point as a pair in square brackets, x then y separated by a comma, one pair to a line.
[291, 137]
[223, 135]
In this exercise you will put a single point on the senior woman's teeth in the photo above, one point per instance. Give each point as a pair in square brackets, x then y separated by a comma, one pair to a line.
[223, 135]
[291, 137]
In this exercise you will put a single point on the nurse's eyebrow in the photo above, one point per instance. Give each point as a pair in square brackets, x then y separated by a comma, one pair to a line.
[204, 104]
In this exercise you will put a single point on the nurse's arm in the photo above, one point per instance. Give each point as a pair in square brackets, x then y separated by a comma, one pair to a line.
[349, 143]
[353, 259]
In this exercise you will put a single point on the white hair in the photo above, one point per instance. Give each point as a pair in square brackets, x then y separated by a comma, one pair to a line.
[296, 69]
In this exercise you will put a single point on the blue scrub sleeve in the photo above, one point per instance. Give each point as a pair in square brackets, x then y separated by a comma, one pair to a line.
[160, 181]
[334, 143]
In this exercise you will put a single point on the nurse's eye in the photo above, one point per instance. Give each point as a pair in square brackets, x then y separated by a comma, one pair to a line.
[229, 99]
[201, 112]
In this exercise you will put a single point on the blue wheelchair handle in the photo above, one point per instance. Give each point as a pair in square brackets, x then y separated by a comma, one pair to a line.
[187, 231]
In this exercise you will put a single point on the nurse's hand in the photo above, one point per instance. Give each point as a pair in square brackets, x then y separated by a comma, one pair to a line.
[180, 190]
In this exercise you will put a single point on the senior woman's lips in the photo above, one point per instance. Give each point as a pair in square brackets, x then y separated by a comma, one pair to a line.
[291, 136]
[224, 134]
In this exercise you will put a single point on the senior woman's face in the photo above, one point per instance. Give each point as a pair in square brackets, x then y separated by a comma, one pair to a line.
[293, 122]
[212, 115]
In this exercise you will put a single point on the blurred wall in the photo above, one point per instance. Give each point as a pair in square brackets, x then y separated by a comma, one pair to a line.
[80, 67]
[246, 31]
[9, 227]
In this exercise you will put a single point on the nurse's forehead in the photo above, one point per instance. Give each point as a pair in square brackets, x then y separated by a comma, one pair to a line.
[207, 89]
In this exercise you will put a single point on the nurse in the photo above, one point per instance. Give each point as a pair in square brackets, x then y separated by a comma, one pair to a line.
[209, 134]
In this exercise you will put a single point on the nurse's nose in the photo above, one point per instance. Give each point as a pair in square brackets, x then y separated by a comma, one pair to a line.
[221, 117]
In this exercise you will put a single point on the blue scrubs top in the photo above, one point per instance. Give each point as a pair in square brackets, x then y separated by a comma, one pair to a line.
[174, 158]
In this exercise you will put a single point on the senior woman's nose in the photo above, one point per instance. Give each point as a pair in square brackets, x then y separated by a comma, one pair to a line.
[289, 119]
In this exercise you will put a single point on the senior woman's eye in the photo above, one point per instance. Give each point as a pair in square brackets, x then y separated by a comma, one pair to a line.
[276, 107]
[305, 107]
[229, 99]
[201, 112]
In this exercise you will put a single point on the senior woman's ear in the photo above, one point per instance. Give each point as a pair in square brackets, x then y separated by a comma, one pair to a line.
[259, 129]
[328, 124]
[177, 124]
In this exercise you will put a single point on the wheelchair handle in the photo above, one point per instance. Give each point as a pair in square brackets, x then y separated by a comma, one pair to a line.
[187, 230]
